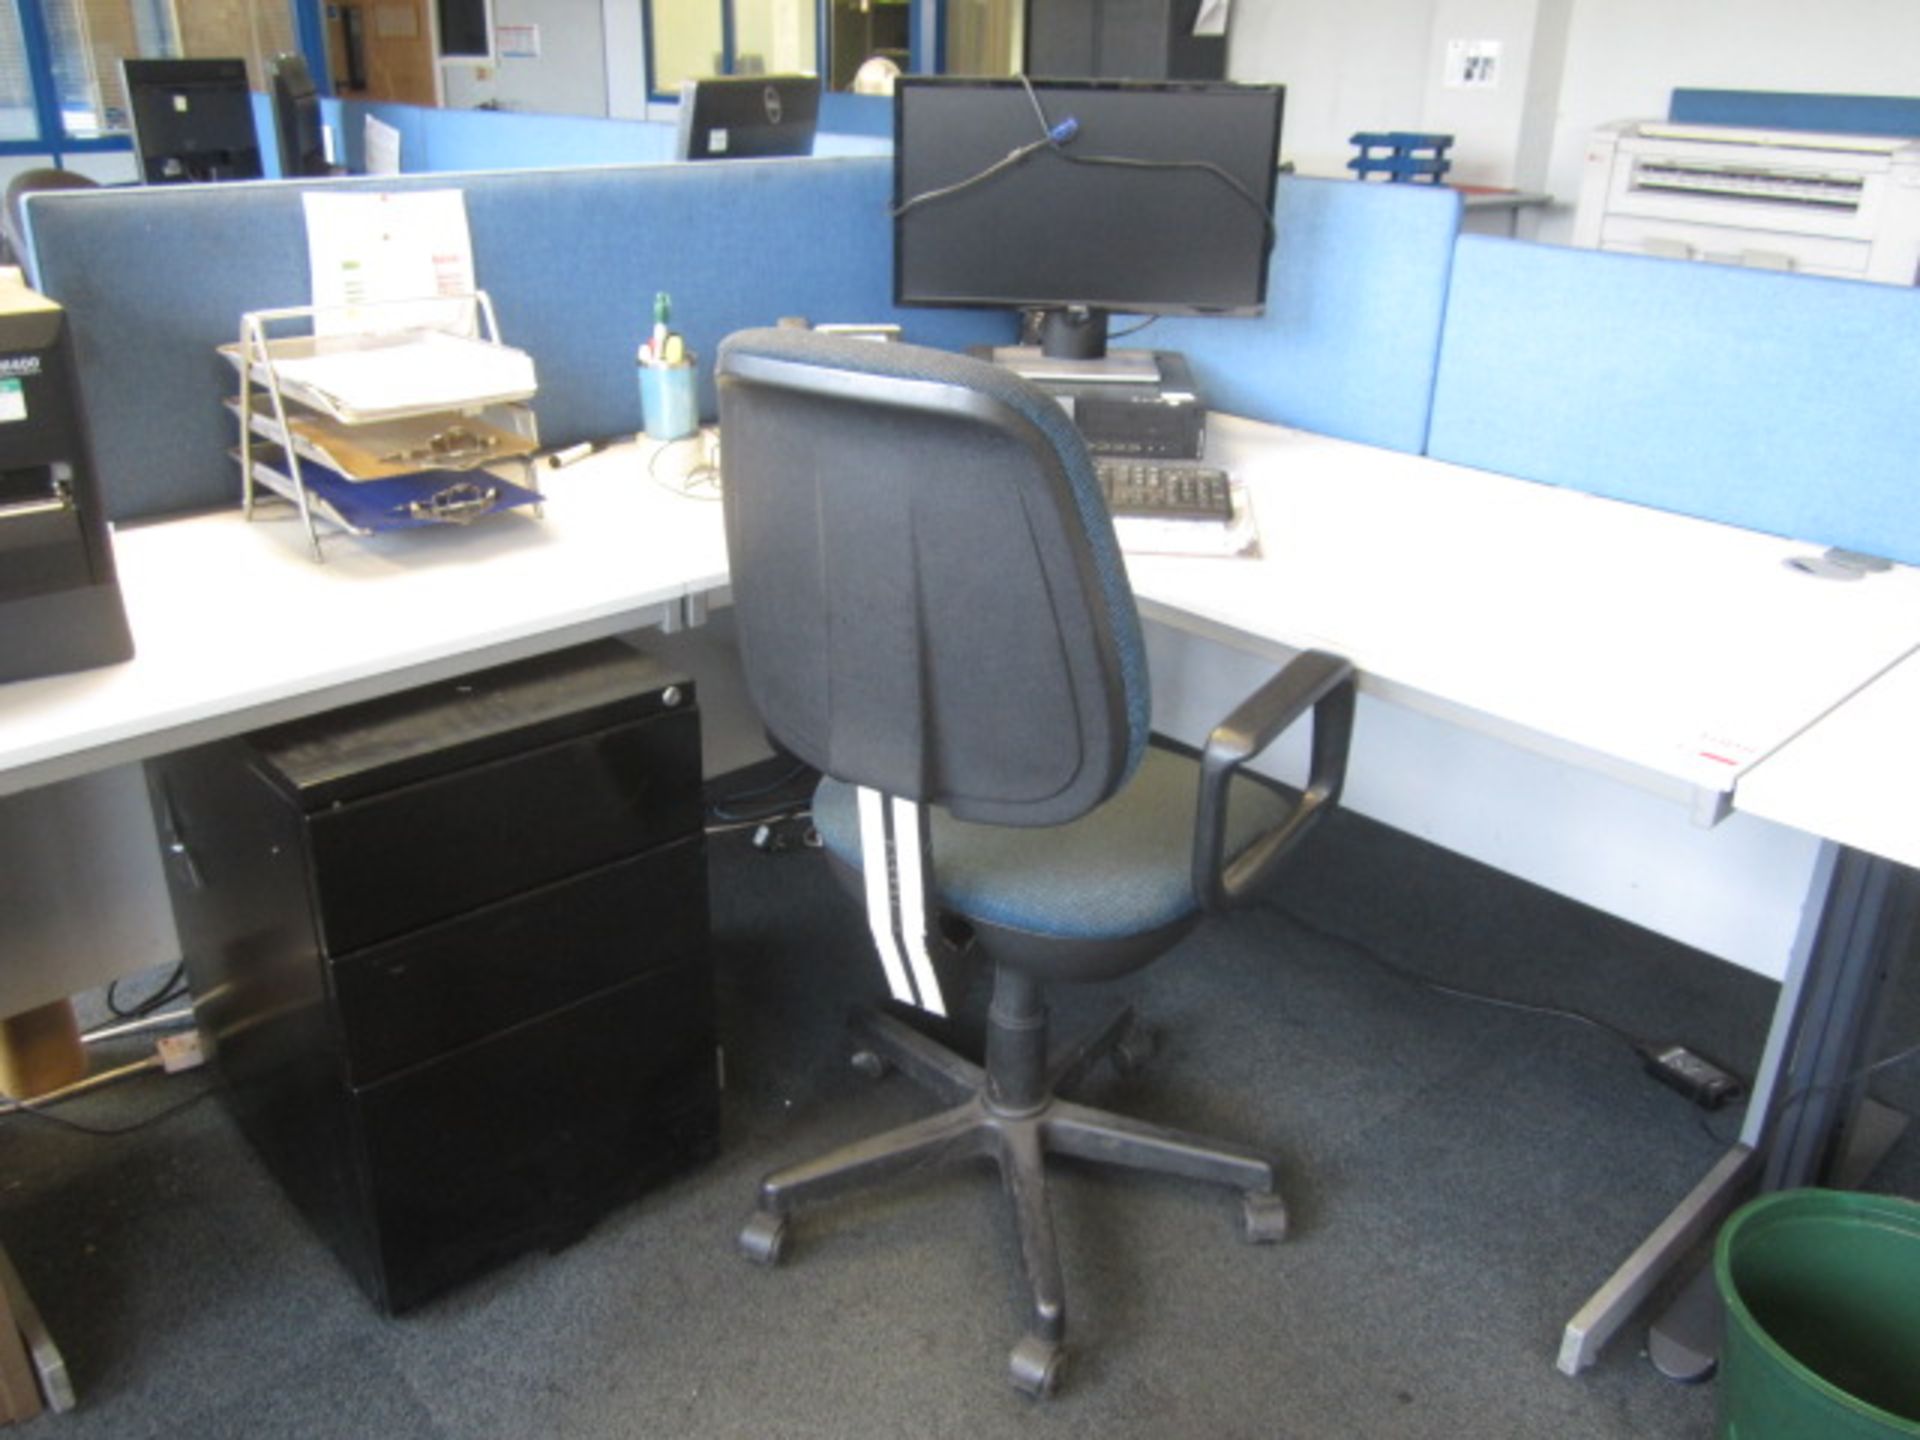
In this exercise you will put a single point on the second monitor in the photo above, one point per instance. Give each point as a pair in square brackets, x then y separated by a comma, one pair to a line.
[1082, 198]
[192, 120]
[738, 117]
[296, 119]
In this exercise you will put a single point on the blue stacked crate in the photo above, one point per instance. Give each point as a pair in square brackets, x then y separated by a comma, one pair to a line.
[1401, 155]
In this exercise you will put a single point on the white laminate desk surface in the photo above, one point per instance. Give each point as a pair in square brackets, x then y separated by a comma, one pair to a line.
[1675, 652]
[1855, 776]
[236, 625]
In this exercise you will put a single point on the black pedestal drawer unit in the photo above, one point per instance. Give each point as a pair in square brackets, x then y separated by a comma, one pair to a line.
[449, 950]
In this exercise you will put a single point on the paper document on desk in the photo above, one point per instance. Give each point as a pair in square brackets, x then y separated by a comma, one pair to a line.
[363, 249]
[401, 374]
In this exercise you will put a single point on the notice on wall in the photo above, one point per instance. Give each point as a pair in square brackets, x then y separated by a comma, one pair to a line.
[517, 42]
[1473, 64]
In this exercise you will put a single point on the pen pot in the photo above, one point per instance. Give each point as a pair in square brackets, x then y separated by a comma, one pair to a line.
[669, 401]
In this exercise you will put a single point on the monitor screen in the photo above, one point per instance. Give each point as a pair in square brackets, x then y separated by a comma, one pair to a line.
[1084, 197]
[737, 117]
[296, 119]
[192, 120]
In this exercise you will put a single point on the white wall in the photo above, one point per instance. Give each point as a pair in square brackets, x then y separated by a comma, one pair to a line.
[569, 76]
[1566, 66]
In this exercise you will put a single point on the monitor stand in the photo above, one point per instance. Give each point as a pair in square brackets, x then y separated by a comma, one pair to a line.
[1073, 351]
[1116, 367]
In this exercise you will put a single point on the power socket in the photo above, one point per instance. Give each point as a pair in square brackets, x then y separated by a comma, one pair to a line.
[1706, 1084]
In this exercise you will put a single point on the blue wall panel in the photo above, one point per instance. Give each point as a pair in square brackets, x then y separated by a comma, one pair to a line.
[1782, 110]
[1351, 333]
[1783, 403]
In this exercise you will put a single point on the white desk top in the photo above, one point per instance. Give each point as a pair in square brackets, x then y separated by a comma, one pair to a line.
[1855, 776]
[235, 625]
[1673, 652]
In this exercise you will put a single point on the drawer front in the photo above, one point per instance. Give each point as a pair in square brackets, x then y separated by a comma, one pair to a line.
[430, 992]
[522, 1141]
[395, 862]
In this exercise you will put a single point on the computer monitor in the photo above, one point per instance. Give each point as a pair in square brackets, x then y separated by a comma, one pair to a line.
[192, 120]
[736, 117]
[1084, 197]
[296, 119]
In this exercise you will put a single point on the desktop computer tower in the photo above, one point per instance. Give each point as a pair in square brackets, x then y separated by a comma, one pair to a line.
[60, 606]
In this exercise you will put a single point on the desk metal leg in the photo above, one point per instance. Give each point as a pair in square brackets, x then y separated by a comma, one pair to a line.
[1859, 927]
[48, 1364]
[1819, 1126]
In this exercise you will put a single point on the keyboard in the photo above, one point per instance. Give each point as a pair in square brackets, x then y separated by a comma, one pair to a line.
[1165, 489]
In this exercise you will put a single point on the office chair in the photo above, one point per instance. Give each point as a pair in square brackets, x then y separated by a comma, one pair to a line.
[13, 214]
[932, 611]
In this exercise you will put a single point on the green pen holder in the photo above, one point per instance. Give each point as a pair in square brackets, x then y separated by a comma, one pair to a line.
[669, 400]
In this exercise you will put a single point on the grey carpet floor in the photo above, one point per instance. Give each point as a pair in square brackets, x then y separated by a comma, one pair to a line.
[1461, 1178]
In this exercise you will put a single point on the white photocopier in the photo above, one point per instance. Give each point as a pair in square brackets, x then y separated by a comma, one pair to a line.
[1845, 205]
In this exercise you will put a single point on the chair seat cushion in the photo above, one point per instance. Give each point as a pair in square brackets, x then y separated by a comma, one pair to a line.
[1123, 869]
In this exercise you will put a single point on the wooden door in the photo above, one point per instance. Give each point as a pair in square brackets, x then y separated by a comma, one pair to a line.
[399, 51]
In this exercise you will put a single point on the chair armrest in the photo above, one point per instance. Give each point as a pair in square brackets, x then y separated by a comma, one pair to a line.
[1313, 680]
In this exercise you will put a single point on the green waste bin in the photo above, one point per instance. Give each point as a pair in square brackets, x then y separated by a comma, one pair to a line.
[1822, 1292]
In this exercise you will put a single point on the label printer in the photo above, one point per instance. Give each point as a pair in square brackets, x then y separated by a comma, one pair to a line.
[60, 605]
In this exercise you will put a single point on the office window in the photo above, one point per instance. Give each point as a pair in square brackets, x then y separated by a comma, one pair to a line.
[17, 119]
[691, 38]
[774, 37]
[60, 86]
[688, 40]
[985, 37]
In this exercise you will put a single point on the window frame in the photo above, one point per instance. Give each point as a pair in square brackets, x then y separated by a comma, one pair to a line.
[51, 137]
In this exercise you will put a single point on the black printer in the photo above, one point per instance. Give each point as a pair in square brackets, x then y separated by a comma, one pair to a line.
[60, 605]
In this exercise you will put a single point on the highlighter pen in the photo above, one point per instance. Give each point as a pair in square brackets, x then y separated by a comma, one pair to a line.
[662, 314]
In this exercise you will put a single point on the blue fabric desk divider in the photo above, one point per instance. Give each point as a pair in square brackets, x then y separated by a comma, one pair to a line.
[1780, 110]
[155, 278]
[444, 140]
[1782, 403]
[1351, 333]
[447, 140]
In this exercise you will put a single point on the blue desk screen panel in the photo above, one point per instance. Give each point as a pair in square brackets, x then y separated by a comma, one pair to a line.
[1782, 403]
[1787, 110]
[1351, 334]
[154, 279]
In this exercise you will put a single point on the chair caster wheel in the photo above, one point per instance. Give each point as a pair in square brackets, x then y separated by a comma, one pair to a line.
[870, 1064]
[1036, 1366]
[763, 1239]
[1130, 1056]
[1263, 1218]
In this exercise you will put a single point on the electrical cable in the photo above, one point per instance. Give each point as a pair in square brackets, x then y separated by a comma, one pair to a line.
[1807, 1092]
[1478, 997]
[33, 1110]
[772, 817]
[699, 481]
[721, 808]
[173, 986]
[1054, 136]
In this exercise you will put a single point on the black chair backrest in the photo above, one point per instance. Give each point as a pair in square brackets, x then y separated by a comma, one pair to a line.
[13, 218]
[928, 593]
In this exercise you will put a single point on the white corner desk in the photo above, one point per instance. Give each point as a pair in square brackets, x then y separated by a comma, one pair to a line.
[1642, 653]
[1675, 658]
[235, 626]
